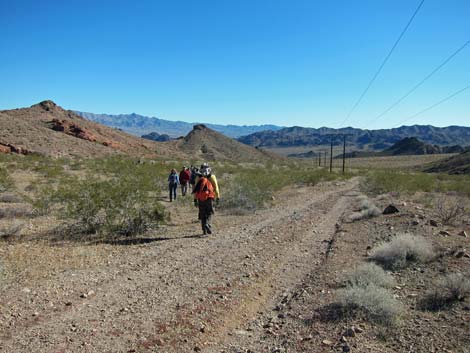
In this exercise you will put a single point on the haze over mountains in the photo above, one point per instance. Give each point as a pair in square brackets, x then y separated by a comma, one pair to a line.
[279, 138]
[142, 125]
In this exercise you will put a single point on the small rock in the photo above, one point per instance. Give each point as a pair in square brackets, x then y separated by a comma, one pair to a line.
[433, 223]
[197, 349]
[346, 348]
[390, 209]
[357, 329]
[35, 313]
[343, 339]
[463, 234]
[84, 295]
[350, 332]
[327, 342]
[68, 303]
[444, 233]
[459, 253]
[26, 290]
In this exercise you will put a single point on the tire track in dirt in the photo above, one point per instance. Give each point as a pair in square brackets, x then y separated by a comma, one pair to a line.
[172, 295]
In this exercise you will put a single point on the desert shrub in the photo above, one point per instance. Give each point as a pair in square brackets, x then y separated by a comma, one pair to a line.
[368, 209]
[6, 182]
[11, 231]
[116, 206]
[402, 250]
[254, 187]
[9, 197]
[369, 274]
[450, 209]
[375, 303]
[118, 197]
[410, 182]
[452, 288]
[15, 212]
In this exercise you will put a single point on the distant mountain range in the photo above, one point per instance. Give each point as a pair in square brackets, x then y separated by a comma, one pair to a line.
[358, 139]
[143, 125]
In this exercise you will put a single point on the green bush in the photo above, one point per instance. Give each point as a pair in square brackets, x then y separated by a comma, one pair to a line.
[410, 182]
[401, 251]
[116, 197]
[6, 182]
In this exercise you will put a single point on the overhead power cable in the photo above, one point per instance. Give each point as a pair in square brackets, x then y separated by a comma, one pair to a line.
[434, 105]
[415, 87]
[383, 62]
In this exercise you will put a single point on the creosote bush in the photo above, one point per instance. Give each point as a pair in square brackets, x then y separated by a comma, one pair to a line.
[402, 250]
[450, 209]
[117, 197]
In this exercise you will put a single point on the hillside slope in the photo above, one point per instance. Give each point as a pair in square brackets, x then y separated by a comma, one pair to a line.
[141, 125]
[459, 164]
[207, 144]
[410, 146]
[48, 129]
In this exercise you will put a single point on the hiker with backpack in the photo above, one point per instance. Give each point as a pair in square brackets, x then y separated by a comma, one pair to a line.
[194, 174]
[205, 192]
[185, 177]
[173, 181]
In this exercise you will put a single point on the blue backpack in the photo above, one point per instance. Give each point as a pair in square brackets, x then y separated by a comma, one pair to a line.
[173, 178]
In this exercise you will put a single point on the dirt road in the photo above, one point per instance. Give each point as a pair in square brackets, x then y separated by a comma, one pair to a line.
[175, 291]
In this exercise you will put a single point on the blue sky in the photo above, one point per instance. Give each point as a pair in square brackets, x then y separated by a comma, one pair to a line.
[285, 62]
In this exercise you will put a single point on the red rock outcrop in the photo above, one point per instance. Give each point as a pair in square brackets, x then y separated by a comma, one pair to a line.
[72, 129]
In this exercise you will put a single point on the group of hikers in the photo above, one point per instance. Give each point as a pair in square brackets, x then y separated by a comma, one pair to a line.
[204, 188]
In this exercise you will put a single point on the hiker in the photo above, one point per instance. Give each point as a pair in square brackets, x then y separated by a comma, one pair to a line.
[192, 181]
[204, 195]
[173, 181]
[185, 177]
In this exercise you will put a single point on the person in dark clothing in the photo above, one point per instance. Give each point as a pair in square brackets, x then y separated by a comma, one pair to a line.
[173, 181]
[185, 177]
[192, 180]
[204, 199]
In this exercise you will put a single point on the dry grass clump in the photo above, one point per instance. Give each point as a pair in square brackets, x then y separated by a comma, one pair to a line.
[9, 197]
[454, 287]
[367, 209]
[374, 302]
[402, 250]
[370, 274]
[367, 294]
[15, 212]
[11, 231]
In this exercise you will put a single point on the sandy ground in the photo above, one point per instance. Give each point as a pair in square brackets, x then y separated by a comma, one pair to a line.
[252, 286]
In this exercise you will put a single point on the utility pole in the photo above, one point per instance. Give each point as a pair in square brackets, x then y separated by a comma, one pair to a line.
[344, 151]
[325, 157]
[331, 155]
[319, 158]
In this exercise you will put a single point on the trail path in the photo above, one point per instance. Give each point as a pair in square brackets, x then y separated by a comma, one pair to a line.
[177, 292]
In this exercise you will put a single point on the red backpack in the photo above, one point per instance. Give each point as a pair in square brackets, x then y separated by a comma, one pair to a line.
[205, 190]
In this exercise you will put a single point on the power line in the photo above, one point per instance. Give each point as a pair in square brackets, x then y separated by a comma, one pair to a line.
[434, 105]
[383, 63]
[415, 87]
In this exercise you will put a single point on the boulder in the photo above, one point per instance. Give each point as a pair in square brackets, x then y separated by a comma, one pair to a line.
[390, 209]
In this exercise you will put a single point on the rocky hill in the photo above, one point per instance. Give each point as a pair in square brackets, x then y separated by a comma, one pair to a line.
[155, 136]
[410, 146]
[206, 144]
[459, 164]
[140, 125]
[48, 129]
[358, 139]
